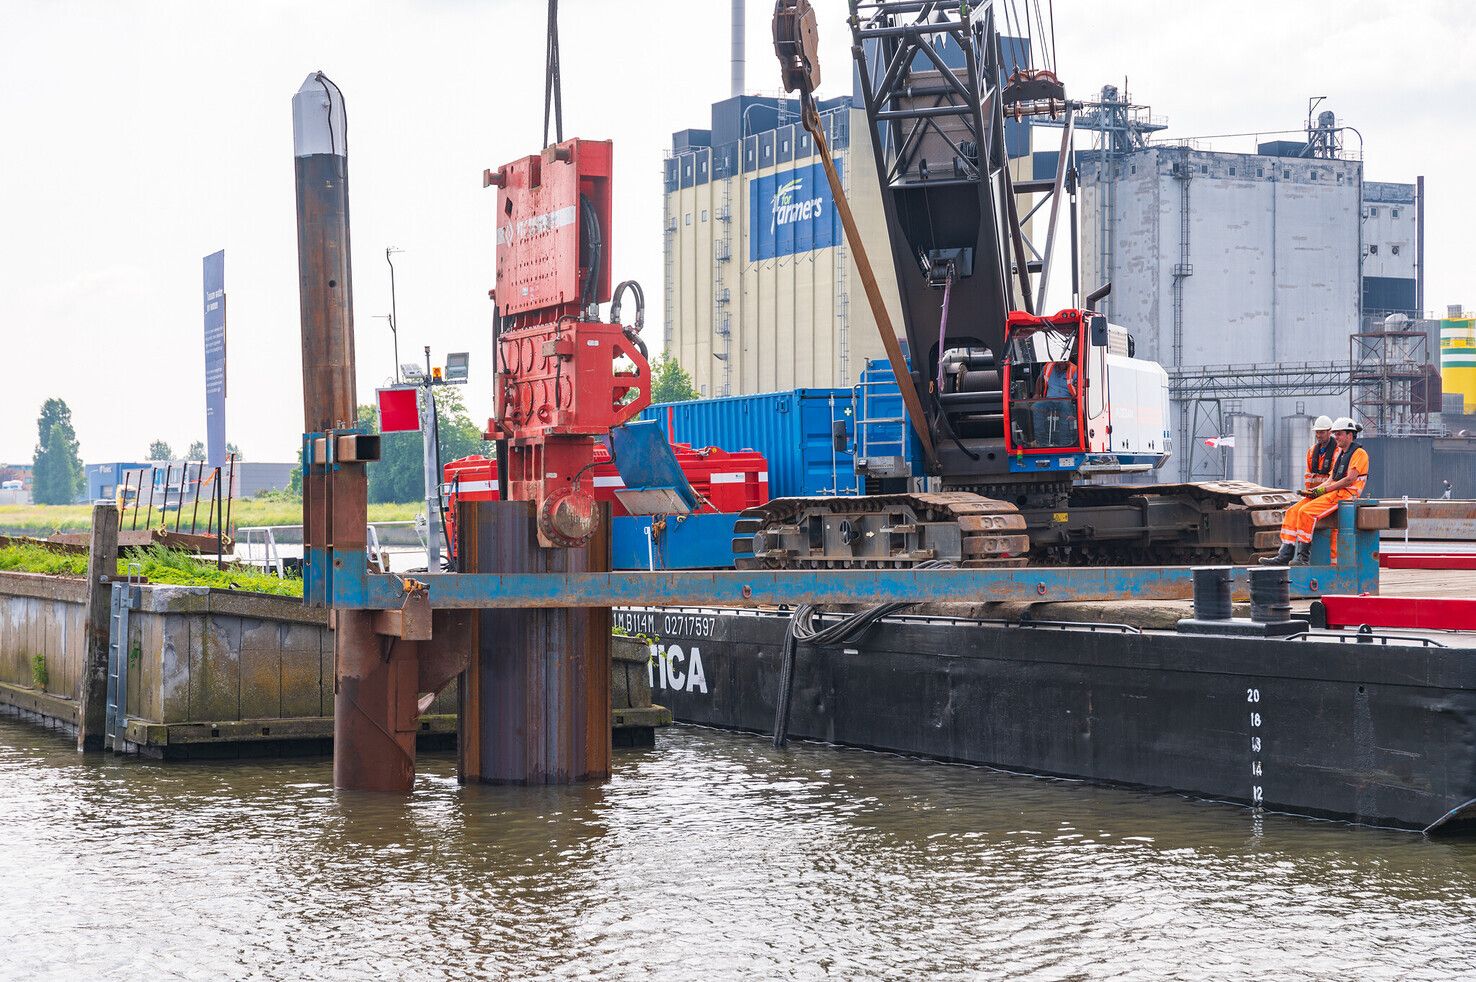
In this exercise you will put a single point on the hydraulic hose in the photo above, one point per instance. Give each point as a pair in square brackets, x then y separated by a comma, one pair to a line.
[633, 331]
[802, 630]
[593, 247]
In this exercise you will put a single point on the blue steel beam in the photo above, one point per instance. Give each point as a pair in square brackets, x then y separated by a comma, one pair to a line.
[756, 588]
[353, 586]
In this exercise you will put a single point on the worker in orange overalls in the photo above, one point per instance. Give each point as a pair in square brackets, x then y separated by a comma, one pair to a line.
[1349, 475]
[1320, 458]
[1320, 455]
[1054, 412]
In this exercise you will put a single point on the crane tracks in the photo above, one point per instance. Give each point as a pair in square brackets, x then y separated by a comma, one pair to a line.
[884, 531]
[894, 531]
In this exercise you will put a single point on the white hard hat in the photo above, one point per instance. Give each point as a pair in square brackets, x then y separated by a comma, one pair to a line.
[1344, 423]
[1321, 423]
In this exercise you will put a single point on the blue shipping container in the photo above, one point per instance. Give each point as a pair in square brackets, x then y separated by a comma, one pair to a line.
[791, 429]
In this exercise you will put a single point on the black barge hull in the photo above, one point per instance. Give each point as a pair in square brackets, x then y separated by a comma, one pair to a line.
[1370, 733]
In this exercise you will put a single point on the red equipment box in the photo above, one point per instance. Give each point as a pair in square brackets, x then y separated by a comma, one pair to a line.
[539, 226]
[726, 481]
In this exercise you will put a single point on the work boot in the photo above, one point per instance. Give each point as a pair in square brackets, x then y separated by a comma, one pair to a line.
[1282, 558]
[1303, 554]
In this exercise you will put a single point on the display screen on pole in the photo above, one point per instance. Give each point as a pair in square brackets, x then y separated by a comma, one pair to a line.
[215, 359]
[399, 410]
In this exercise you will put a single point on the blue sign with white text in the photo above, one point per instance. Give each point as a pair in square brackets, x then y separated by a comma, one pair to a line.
[215, 359]
[792, 211]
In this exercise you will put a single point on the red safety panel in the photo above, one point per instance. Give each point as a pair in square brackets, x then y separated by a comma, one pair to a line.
[1427, 560]
[1417, 613]
[399, 412]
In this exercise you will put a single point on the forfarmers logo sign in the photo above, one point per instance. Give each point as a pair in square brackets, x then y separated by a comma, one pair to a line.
[789, 205]
[791, 211]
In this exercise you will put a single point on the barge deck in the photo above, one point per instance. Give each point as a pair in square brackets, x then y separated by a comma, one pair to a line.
[1378, 731]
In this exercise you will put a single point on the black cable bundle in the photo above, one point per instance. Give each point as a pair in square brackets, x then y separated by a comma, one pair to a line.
[802, 630]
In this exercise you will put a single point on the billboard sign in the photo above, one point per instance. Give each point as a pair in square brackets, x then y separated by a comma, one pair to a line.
[792, 211]
[215, 359]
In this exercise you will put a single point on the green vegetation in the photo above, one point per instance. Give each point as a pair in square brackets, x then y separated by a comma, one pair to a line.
[57, 478]
[157, 565]
[276, 508]
[39, 675]
[38, 559]
[159, 450]
[670, 382]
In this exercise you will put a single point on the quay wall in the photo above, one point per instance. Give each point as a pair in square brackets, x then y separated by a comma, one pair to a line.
[45, 616]
[194, 656]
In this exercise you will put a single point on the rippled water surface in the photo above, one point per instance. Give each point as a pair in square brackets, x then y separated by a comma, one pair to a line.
[712, 856]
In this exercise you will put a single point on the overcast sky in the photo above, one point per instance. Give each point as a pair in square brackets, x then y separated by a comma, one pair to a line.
[138, 137]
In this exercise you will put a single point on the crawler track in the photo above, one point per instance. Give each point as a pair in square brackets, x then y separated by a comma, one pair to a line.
[1211, 522]
[784, 533]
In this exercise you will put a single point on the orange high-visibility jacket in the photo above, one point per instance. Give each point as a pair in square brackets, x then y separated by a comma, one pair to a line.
[1050, 370]
[1319, 462]
[1354, 458]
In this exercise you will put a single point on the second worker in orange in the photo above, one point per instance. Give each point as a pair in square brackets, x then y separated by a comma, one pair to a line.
[1347, 479]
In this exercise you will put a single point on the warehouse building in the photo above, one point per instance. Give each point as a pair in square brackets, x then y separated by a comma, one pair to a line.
[1244, 259]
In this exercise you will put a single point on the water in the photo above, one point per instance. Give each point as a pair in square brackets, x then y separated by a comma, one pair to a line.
[711, 857]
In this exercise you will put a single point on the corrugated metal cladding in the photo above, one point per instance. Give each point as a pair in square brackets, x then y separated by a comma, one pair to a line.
[1417, 466]
[791, 429]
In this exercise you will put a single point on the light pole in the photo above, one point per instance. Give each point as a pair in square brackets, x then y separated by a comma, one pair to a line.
[430, 460]
[394, 318]
[424, 381]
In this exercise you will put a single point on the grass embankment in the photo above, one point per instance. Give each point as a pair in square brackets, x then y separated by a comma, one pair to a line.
[45, 519]
[157, 564]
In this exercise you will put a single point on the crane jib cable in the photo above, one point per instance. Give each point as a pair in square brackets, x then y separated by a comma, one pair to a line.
[553, 89]
[943, 324]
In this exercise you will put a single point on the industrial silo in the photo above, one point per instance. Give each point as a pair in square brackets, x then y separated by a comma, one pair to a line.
[1245, 454]
[1296, 438]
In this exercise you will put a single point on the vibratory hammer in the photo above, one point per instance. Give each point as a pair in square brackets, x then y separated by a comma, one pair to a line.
[564, 377]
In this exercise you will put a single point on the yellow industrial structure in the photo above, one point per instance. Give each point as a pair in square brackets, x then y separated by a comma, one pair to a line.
[1458, 356]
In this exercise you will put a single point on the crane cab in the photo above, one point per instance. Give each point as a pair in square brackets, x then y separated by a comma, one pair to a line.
[1076, 400]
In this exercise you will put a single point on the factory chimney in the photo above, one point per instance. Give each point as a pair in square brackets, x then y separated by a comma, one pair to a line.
[739, 20]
